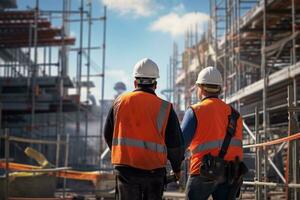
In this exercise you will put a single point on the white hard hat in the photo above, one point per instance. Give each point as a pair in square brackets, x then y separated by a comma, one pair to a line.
[210, 75]
[146, 68]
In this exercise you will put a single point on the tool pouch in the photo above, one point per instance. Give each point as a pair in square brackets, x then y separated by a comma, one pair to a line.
[235, 171]
[213, 168]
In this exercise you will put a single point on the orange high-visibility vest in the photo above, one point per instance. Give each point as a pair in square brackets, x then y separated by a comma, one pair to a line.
[139, 131]
[212, 120]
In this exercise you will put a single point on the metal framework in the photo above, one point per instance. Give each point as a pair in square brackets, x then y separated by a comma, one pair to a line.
[35, 80]
[255, 44]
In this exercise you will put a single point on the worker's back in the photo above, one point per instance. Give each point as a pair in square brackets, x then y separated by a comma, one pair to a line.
[212, 120]
[140, 122]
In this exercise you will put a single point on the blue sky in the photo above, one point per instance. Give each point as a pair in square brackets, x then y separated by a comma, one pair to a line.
[135, 29]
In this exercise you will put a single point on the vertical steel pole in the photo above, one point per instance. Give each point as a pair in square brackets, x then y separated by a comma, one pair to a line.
[62, 73]
[35, 66]
[50, 52]
[265, 78]
[6, 164]
[296, 146]
[29, 63]
[66, 162]
[88, 78]
[258, 156]
[79, 70]
[175, 57]
[214, 10]
[185, 66]
[289, 151]
[44, 60]
[226, 50]
[57, 150]
[168, 78]
[103, 80]
[294, 56]
[239, 73]
[292, 155]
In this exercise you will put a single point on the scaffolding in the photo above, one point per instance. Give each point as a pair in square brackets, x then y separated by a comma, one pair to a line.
[35, 80]
[255, 44]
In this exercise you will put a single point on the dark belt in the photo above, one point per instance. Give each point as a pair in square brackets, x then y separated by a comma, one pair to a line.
[123, 169]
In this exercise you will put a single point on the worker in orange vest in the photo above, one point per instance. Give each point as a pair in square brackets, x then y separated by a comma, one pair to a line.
[205, 126]
[143, 132]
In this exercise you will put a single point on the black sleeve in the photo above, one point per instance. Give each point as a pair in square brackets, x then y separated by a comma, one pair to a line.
[109, 127]
[174, 141]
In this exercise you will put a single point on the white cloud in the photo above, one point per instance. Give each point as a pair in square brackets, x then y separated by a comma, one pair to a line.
[135, 7]
[177, 25]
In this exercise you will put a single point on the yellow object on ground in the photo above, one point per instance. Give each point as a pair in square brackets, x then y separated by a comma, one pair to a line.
[38, 157]
[70, 174]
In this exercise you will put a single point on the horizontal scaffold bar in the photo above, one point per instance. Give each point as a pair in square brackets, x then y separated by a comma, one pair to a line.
[272, 184]
[277, 141]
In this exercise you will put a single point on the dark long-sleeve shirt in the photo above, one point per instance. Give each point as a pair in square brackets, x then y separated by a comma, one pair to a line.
[173, 136]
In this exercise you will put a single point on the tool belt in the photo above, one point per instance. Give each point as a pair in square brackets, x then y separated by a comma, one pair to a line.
[216, 168]
[213, 168]
[220, 170]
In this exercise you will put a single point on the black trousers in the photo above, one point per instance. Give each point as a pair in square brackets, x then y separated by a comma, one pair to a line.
[200, 188]
[139, 187]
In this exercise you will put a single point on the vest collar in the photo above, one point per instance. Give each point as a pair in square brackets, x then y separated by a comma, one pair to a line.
[145, 90]
[209, 97]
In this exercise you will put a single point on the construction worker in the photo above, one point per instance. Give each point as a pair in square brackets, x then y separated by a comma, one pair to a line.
[143, 132]
[204, 127]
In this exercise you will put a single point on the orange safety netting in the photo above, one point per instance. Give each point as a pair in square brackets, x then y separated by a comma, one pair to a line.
[70, 174]
[277, 141]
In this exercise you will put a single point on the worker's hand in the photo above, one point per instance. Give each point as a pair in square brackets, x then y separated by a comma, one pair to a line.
[177, 174]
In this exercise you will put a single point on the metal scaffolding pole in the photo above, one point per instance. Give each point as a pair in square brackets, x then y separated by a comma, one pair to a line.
[88, 77]
[292, 168]
[66, 162]
[79, 71]
[34, 67]
[50, 51]
[175, 65]
[6, 152]
[226, 50]
[215, 30]
[295, 144]
[62, 72]
[103, 80]
[265, 79]
[258, 156]
[238, 54]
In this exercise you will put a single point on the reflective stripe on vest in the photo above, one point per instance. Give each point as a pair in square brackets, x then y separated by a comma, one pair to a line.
[163, 111]
[216, 144]
[140, 143]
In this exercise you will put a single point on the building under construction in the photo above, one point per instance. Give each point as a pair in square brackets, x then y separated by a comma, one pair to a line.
[255, 44]
[52, 138]
[42, 123]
